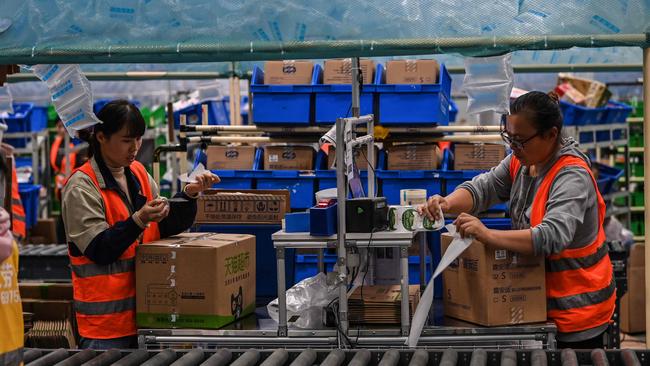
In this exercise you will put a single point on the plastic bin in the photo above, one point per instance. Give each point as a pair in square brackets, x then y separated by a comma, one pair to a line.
[296, 222]
[216, 114]
[602, 136]
[323, 221]
[266, 263]
[417, 104]
[280, 104]
[27, 117]
[617, 112]
[433, 239]
[301, 185]
[607, 177]
[453, 111]
[392, 181]
[332, 101]
[575, 115]
[29, 194]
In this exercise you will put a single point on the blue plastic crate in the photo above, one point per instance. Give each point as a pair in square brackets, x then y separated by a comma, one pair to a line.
[617, 112]
[301, 185]
[433, 239]
[607, 177]
[266, 264]
[235, 179]
[603, 136]
[392, 181]
[323, 221]
[216, 114]
[27, 117]
[29, 196]
[296, 222]
[618, 134]
[332, 101]
[575, 115]
[417, 104]
[100, 103]
[586, 137]
[454, 178]
[243, 108]
[453, 111]
[280, 104]
[307, 266]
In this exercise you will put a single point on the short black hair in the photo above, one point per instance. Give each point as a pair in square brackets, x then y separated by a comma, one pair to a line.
[115, 115]
[541, 108]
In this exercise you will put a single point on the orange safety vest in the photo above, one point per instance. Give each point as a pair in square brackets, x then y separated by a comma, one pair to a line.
[18, 224]
[54, 151]
[104, 295]
[580, 287]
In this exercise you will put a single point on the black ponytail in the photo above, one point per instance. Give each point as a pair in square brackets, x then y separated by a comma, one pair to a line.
[541, 108]
[114, 116]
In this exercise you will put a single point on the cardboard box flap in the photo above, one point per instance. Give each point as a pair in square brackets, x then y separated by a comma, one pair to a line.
[242, 196]
[197, 240]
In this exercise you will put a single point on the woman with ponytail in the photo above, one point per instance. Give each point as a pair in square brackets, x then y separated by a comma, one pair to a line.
[556, 212]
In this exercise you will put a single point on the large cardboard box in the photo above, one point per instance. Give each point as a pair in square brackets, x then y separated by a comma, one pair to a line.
[244, 206]
[44, 232]
[413, 157]
[195, 280]
[339, 71]
[633, 302]
[412, 72]
[288, 158]
[494, 287]
[595, 92]
[478, 156]
[360, 158]
[230, 157]
[288, 72]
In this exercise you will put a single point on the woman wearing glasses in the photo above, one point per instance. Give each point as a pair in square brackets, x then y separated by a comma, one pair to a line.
[556, 211]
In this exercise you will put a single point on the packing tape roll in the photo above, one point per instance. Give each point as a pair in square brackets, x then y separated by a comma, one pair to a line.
[413, 197]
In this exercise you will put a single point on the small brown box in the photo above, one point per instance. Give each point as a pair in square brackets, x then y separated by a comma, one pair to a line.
[231, 157]
[195, 280]
[288, 72]
[413, 157]
[633, 302]
[494, 287]
[339, 71]
[244, 206]
[288, 158]
[478, 156]
[412, 72]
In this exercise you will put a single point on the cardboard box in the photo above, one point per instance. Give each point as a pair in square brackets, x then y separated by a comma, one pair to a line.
[381, 304]
[359, 159]
[494, 287]
[230, 157]
[44, 232]
[633, 302]
[340, 71]
[478, 156]
[413, 157]
[412, 72]
[45, 291]
[570, 94]
[195, 280]
[594, 91]
[288, 158]
[288, 72]
[244, 206]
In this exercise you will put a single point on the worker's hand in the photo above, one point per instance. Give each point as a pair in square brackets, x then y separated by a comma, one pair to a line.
[470, 226]
[203, 181]
[431, 209]
[155, 210]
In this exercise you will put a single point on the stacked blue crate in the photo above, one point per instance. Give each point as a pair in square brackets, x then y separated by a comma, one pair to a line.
[392, 181]
[280, 104]
[216, 114]
[413, 104]
[27, 117]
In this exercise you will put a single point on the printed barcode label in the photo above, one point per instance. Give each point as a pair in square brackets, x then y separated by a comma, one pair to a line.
[273, 158]
[500, 254]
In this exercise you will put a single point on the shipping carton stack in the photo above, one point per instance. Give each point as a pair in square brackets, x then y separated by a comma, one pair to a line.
[580, 91]
[288, 72]
[414, 157]
[288, 158]
[49, 314]
[380, 304]
[339, 71]
[478, 156]
[230, 157]
[412, 72]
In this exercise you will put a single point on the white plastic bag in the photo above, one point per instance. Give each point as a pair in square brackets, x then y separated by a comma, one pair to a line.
[488, 83]
[455, 249]
[306, 300]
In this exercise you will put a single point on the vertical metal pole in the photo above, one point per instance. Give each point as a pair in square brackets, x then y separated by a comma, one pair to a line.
[321, 263]
[422, 243]
[646, 179]
[282, 299]
[355, 87]
[341, 184]
[404, 281]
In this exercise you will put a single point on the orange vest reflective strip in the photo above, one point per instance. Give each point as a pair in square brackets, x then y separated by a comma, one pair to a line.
[18, 224]
[104, 295]
[54, 152]
[580, 287]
